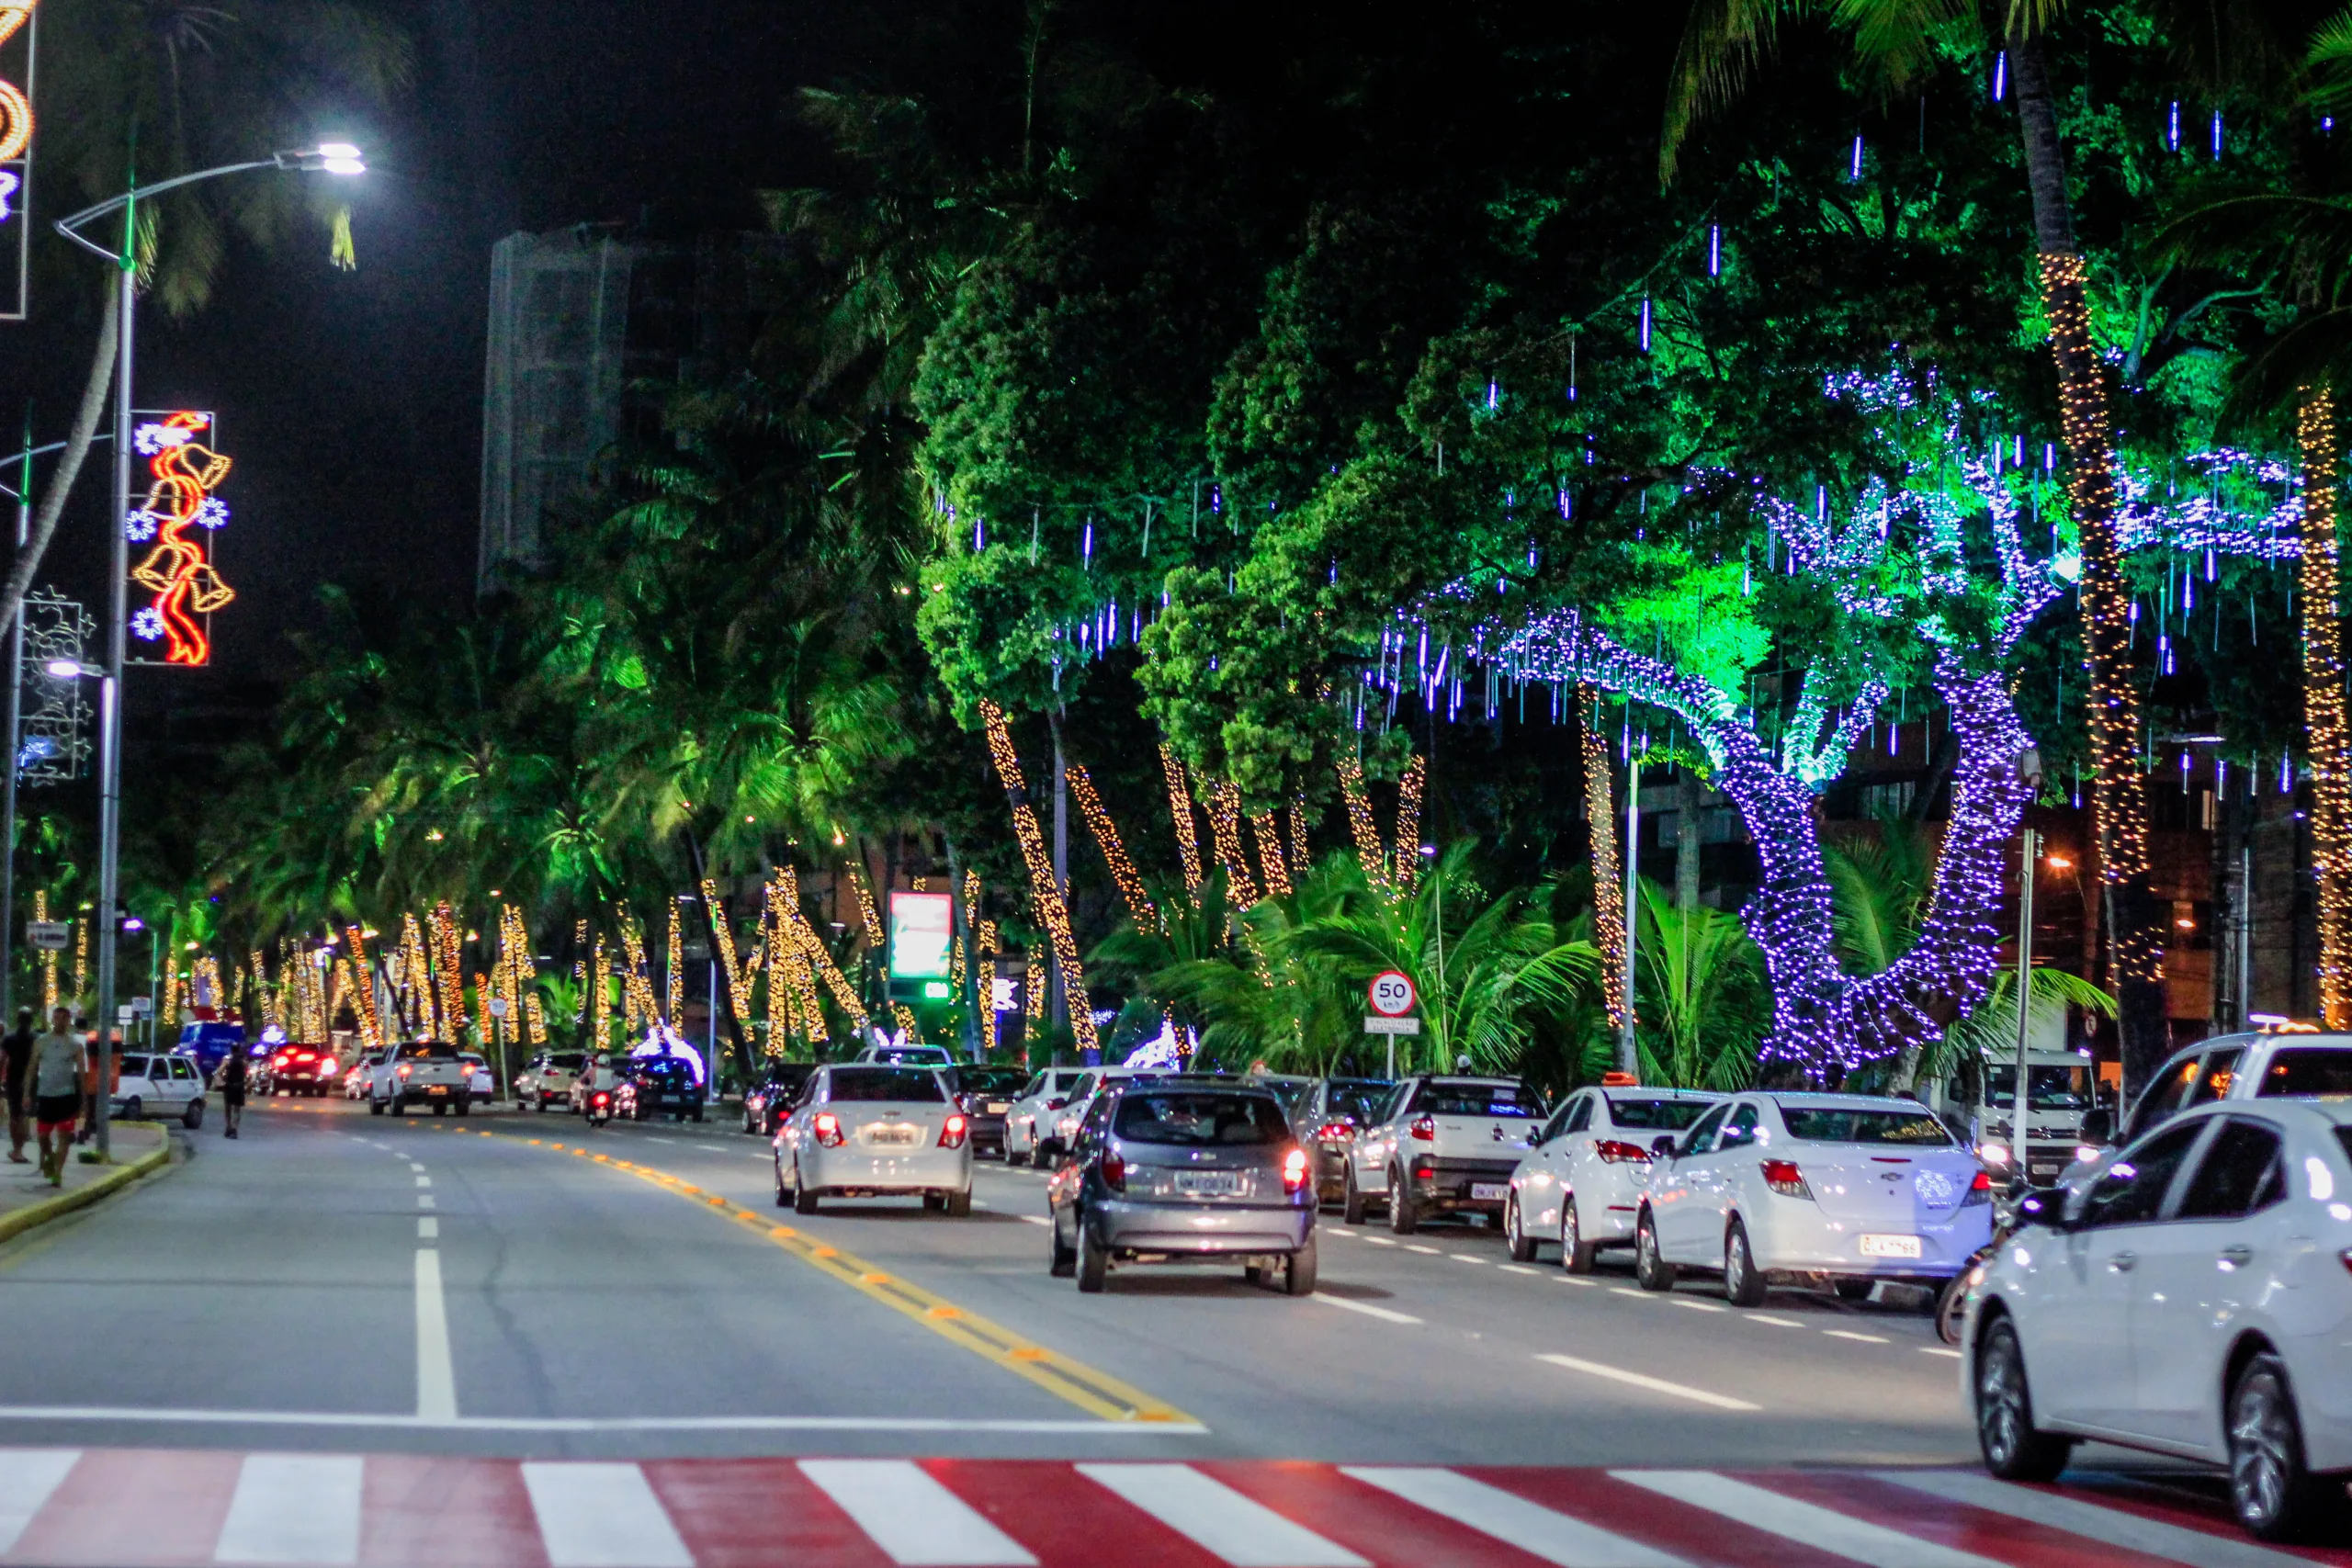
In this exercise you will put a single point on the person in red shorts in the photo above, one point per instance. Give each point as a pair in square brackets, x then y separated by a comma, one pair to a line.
[56, 1074]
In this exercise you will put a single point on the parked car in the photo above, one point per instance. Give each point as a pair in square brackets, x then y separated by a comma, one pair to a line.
[2291, 1063]
[547, 1078]
[1444, 1144]
[1042, 1101]
[650, 1086]
[1851, 1189]
[1325, 1120]
[986, 1095]
[484, 1083]
[2189, 1300]
[358, 1079]
[303, 1069]
[158, 1085]
[1182, 1171]
[1581, 1183]
[866, 1130]
[771, 1095]
[423, 1072]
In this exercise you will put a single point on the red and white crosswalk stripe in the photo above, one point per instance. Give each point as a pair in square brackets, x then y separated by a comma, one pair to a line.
[133, 1508]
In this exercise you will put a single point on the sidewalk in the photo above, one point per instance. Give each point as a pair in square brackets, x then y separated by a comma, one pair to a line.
[26, 1201]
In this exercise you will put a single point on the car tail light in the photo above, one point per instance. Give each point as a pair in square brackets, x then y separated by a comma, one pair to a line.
[1295, 1171]
[603, 1099]
[1115, 1171]
[1424, 1129]
[1056, 1104]
[1612, 1152]
[1783, 1177]
[828, 1128]
[2346, 1255]
[1980, 1190]
[952, 1131]
[405, 1070]
[1424, 1168]
[1334, 1132]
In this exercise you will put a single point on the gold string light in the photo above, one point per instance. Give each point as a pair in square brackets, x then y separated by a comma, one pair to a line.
[81, 958]
[871, 921]
[600, 996]
[1600, 834]
[1268, 834]
[1297, 818]
[1046, 893]
[525, 978]
[269, 1014]
[450, 969]
[1224, 829]
[371, 1024]
[904, 1016]
[1408, 824]
[1032, 993]
[1180, 812]
[482, 1031]
[2323, 707]
[49, 960]
[416, 975]
[956, 966]
[739, 983]
[1360, 827]
[674, 977]
[798, 938]
[1114, 852]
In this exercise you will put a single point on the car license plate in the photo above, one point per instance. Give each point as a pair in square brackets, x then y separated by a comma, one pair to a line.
[437, 1089]
[896, 1137]
[1209, 1184]
[1890, 1247]
[1489, 1191]
[998, 1107]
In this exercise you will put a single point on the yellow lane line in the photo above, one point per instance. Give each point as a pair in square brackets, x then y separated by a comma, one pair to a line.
[1090, 1388]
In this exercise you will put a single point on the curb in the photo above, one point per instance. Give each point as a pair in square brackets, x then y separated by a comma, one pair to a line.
[22, 1219]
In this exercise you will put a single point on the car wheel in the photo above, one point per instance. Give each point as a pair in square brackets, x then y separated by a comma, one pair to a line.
[1403, 1219]
[1093, 1259]
[1062, 1261]
[783, 1193]
[1350, 1198]
[2277, 1497]
[194, 1116]
[1012, 1159]
[440, 1108]
[1951, 1309]
[958, 1204]
[804, 1201]
[130, 1109]
[1576, 1253]
[1651, 1270]
[934, 1201]
[2013, 1449]
[1515, 1236]
[697, 1113]
[1253, 1273]
[1743, 1281]
[375, 1106]
[465, 1106]
[1298, 1274]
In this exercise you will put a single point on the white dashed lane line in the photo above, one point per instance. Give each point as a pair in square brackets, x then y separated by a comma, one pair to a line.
[1366, 1308]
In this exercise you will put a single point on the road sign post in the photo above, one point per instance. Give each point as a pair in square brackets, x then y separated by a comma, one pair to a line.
[50, 936]
[1392, 996]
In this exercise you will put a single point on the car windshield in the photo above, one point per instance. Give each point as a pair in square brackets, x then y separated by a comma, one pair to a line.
[429, 1052]
[1822, 1124]
[2048, 1087]
[1199, 1117]
[1359, 1098]
[1441, 1098]
[2306, 1071]
[1656, 1115]
[914, 1083]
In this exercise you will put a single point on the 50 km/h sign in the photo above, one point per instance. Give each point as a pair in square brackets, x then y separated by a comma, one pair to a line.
[1392, 993]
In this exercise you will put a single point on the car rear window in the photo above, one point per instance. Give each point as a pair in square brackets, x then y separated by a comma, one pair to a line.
[1656, 1115]
[1359, 1098]
[568, 1063]
[919, 1085]
[429, 1052]
[134, 1066]
[1818, 1124]
[1001, 1081]
[2306, 1071]
[1442, 1099]
[1200, 1118]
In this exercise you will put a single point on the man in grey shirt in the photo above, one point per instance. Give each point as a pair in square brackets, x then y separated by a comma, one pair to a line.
[56, 1074]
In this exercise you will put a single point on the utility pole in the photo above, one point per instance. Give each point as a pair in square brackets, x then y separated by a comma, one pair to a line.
[2020, 1095]
[15, 739]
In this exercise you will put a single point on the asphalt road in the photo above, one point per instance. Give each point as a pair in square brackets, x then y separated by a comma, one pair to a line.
[341, 1282]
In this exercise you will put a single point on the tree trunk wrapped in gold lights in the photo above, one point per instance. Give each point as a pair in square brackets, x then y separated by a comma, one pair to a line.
[2323, 708]
[1366, 831]
[1601, 832]
[1047, 895]
[1114, 852]
[1180, 812]
[1408, 824]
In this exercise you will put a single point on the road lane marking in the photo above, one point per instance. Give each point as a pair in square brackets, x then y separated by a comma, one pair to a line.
[416, 1168]
[1038, 1219]
[1090, 1388]
[1939, 1351]
[437, 1380]
[1364, 1307]
[424, 1182]
[424, 1200]
[1223, 1522]
[912, 1517]
[1538, 1532]
[1379, 1241]
[427, 1228]
[351, 1419]
[27, 1478]
[1864, 1338]
[1696, 1305]
[2110, 1527]
[1517, 1268]
[293, 1508]
[1416, 1246]
[602, 1516]
[1629, 1290]
[1573, 1279]
[1465, 1258]
[710, 1148]
[1770, 1321]
[1656, 1385]
[1824, 1529]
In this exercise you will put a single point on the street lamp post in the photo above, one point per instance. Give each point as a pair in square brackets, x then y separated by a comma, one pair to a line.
[334, 158]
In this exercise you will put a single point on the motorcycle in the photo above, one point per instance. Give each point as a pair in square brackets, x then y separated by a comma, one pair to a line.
[598, 1108]
[1951, 1302]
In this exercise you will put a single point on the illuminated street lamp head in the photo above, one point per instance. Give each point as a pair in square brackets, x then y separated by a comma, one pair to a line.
[71, 668]
[327, 157]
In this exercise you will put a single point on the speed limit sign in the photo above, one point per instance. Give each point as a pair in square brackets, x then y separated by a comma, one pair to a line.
[1392, 994]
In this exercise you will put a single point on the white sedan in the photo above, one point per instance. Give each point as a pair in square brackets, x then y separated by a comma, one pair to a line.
[873, 1132]
[1581, 1183]
[1852, 1187]
[1029, 1124]
[2191, 1300]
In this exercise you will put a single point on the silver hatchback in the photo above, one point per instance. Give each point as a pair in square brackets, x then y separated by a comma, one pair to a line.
[1174, 1170]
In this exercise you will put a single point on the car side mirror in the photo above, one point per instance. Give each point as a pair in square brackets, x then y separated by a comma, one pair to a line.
[1662, 1147]
[2044, 1206]
[2098, 1124]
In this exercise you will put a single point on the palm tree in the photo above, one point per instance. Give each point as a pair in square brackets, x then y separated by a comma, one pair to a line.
[1703, 1000]
[1893, 42]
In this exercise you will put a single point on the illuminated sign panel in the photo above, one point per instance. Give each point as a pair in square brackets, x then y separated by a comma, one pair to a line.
[171, 539]
[921, 934]
[15, 154]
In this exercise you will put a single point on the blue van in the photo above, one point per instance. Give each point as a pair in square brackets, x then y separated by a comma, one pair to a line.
[210, 1044]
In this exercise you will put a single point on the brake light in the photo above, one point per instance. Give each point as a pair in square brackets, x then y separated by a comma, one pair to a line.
[1115, 1171]
[1980, 1190]
[405, 1070]
[828, 1128]
[1056, 1104]
[1334, 1132]
[1424, 1129]
[1783, 1177]
[602, 1097]
[1295, 1171]
[952, 1131]
[1612, 1152]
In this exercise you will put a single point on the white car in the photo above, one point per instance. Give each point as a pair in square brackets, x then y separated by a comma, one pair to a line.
[2192, 1302]
[1852, 1188]
[1580, 1184]
[866, 1130]
[546, 1079]
[1443, 1144]
[1042, 1101]
[484, 1083]
[359, 1077]
[158, 1087]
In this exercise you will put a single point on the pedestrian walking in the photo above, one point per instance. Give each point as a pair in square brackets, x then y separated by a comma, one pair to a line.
[229, 1078]
[16, 1062]
[56, 1069]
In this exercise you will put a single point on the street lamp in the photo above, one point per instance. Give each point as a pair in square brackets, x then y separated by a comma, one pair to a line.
[333, 158]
